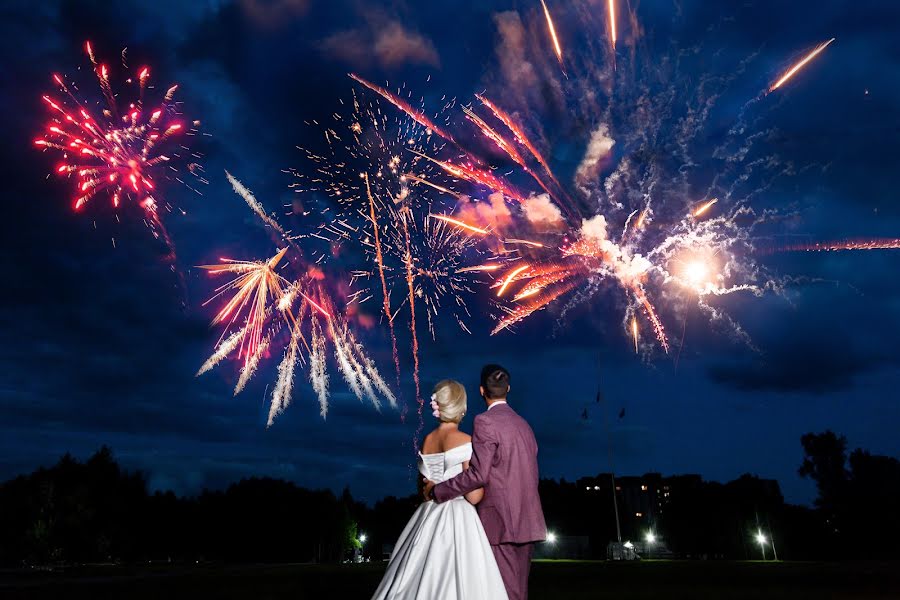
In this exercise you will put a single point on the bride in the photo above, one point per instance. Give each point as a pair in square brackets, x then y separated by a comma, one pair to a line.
[443, 552]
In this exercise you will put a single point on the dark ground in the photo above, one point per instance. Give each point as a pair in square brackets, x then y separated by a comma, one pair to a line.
[550, 580]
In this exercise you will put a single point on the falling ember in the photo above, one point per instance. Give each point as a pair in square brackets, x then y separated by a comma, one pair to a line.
[793, 70]
[458, 223]
[702, 209]
[552, 30]
[634, 333]
[510, 278]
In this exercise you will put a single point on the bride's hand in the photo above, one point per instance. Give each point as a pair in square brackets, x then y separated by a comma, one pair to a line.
[426, 491]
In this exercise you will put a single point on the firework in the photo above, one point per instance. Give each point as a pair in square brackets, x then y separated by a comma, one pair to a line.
[125, 150]
[459, 223]
[634, 333]
[256, 282]
[704, 207]
[799, 65]
[611, 9]
[556, 47]
[510, 278]
[263, 305]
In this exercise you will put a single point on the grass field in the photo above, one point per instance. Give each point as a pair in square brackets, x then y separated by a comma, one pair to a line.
[551, 580]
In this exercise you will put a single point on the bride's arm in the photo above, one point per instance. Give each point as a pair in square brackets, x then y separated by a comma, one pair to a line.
[475, 496]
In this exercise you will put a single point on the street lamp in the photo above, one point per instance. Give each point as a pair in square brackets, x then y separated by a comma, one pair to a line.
[762, 541]
[650, 538]
[551, 537]
[362, 538]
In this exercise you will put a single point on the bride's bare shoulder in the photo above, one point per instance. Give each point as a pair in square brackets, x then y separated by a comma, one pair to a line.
[432, 443]
[456, 438]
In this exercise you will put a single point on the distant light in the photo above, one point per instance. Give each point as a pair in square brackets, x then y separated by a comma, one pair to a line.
[761, 539]
[551, 537]
[650, 537]
[362, 538]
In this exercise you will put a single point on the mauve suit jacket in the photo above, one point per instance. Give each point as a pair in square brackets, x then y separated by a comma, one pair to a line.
[504, 463]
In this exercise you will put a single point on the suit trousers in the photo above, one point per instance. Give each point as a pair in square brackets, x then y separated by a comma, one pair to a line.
[514, 561]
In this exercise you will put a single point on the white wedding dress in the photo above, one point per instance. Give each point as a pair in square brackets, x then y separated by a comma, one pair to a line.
[443, 553]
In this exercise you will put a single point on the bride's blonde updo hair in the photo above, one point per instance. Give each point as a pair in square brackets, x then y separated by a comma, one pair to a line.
[450, 396]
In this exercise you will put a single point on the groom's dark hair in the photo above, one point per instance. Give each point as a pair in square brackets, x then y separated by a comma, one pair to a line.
[494, 381]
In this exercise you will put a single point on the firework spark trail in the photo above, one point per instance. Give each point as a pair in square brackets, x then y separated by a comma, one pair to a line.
[373, 374]
[344, 364]
[255, 205]
[422, 180]
[223, 349]
[611, 9]
[510, 278]
[523, 140]
[475, 175]
[408, 260]
[799, 65]
[510, 150]
[250, 366]
[479, 268]
[386, 299]
[417, 116]
[350, 349]
[518, 134]
[492, 134]
[654, 319]
[318, 374]
[458, 223]
[877, 244]
[525, 242]
[704, 207]
[634, 333]
[281, 394]
[535, 303]
[556, 47]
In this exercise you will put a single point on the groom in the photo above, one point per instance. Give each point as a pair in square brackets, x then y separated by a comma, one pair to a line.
[504, 463]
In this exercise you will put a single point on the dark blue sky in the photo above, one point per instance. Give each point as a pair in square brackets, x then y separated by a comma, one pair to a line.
[100, 345]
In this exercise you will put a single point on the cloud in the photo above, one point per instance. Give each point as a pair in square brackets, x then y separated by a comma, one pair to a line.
[274, 13]
[517, 70]
[542, 212]
[395, 46]
[492, 213]
[598, 148]
[386, 42]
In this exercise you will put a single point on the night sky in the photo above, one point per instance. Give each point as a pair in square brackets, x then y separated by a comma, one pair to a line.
[100, 344]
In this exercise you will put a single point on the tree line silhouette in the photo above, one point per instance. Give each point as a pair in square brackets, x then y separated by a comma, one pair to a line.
[96, 511]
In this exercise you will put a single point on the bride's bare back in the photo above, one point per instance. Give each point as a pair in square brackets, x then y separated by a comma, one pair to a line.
[444, 438]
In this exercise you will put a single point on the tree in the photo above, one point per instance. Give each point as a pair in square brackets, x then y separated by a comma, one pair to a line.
[824, 461]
